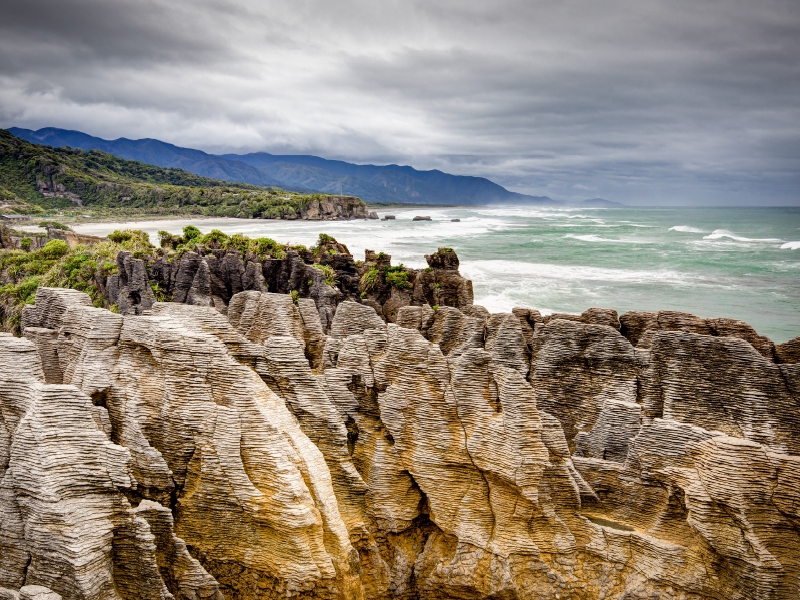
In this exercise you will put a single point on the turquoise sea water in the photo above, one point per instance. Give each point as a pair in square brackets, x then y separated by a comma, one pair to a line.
[714, 262]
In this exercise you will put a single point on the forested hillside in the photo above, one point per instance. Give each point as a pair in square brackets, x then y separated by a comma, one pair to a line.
[36, 179]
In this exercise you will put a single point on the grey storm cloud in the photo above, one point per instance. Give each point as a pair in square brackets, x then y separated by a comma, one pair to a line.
[646, 102]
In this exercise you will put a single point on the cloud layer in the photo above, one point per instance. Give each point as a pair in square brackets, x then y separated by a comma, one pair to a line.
[679, 102]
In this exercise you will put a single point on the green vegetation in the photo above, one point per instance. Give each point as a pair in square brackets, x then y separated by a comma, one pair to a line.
[37, 179]
[53, 225]
[330, 274]
[56, 265]
[25, 243]
[369, 280]
[295, 297]
[262, 248]
[160, 295]
[397, 277]
[323, 240]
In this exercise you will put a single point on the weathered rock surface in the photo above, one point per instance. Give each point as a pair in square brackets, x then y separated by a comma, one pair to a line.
[209, 276]
[451, 453]
[639, 328]
[788, 352]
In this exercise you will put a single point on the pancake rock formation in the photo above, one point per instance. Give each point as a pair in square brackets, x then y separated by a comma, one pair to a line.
[297, 448]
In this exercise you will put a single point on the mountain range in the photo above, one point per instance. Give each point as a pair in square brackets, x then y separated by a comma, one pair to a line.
[37, 178]
[302, 173]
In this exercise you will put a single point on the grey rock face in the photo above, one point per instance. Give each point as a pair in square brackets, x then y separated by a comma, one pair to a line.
[723, 384]
[135, 295]
[579, 369]
[639, 328]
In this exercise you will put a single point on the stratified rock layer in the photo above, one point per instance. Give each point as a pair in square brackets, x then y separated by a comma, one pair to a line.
[281, 450]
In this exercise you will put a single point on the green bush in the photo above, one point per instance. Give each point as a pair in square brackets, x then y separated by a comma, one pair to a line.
[160, 295]
[398, 277]
[126, 235]
[214, 238]
[54, 225]
[369, 280]
[54, 249]
[191, 232]
[25, 243]
[24, 291]
[266, 247]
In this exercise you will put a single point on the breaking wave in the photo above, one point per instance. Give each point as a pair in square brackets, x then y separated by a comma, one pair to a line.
[719, 234]
[596, 238]
[687, 229]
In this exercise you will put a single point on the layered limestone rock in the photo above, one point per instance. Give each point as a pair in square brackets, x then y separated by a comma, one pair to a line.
[201, 432]
[640, 327]
[67, 528]
[453, 453]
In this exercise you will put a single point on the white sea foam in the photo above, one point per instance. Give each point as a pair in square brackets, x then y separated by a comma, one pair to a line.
[687, 229]
[596, 238]
[719, 234]
[791, 246]
[510, 270]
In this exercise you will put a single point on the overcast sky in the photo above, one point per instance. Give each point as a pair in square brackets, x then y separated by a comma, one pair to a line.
[679, 102]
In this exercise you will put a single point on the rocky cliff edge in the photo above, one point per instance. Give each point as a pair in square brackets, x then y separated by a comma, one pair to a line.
[452, 453]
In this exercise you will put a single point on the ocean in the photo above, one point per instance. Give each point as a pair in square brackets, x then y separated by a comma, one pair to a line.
[714, 262]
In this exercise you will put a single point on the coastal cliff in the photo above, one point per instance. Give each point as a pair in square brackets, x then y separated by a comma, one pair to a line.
[365, 431]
